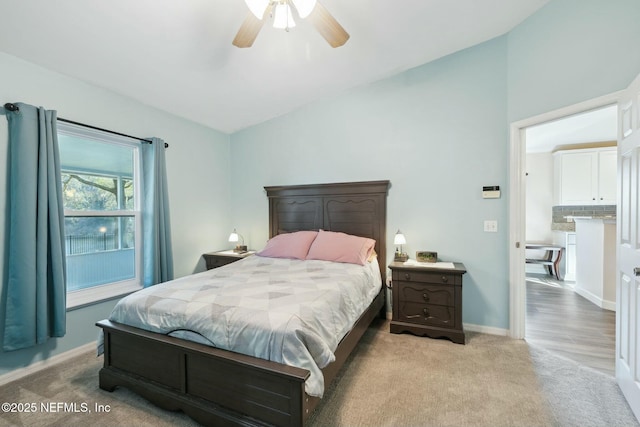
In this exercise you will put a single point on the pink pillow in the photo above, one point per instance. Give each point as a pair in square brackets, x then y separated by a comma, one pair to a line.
[341, 247]
[289, 245]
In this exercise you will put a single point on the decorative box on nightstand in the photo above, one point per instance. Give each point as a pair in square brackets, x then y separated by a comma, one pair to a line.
[427, 300]
[220, 258]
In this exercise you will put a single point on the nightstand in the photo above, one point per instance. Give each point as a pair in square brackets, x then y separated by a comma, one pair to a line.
[427, 301]
[220, 258]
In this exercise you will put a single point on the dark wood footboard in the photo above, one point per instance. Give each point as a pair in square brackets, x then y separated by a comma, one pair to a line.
[215, 387]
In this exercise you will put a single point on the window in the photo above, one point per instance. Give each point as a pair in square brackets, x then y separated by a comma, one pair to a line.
[101, 194]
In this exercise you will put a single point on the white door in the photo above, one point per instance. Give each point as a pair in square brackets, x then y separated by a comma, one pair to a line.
[628, 240]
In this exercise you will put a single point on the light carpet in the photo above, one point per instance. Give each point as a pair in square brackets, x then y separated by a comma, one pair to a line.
[390, 380]
[579, 396]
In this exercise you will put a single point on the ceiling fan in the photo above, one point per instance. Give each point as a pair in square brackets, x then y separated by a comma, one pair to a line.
[319, 16]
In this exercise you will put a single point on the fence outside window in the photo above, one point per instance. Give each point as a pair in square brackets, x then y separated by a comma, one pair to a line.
[87, 243]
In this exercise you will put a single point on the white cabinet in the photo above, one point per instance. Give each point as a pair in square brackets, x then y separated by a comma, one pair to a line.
[586, 176]
[578, 178]
[568, 261]
[570, 253]
[608, 175]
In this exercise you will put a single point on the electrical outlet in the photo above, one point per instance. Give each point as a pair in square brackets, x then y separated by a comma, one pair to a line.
[491, 226]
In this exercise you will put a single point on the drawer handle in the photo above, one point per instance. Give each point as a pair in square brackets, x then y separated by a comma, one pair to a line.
[445, 279]
[426, 312]
[407, 276]
[426, 297]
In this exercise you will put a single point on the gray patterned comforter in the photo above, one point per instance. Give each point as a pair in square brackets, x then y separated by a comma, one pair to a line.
[289, 311]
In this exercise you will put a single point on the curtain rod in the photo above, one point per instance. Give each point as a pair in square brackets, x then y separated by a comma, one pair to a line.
[13, 107]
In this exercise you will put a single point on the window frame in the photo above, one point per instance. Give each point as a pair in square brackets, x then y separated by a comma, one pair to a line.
[95, 294]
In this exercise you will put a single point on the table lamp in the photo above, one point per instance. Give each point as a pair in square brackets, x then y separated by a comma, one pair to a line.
[235, 237]
[400, 240]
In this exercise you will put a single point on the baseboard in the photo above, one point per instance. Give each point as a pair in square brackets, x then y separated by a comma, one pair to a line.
[16, 374]
[607, 305]
[486, 329]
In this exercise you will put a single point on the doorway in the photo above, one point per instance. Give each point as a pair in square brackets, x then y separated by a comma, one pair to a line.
[564, 158]
[518, 205]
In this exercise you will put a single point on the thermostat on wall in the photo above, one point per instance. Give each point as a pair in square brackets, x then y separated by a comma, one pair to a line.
[491, 192]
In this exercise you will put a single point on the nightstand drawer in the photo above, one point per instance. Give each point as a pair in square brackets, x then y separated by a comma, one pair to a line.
[215, 262]
[427, 277]
[428, 314]
[426, 294]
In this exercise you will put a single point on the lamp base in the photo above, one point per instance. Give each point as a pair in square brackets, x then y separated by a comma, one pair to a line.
[240, 249]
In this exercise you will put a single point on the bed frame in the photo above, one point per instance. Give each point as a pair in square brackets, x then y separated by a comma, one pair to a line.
[219, 387]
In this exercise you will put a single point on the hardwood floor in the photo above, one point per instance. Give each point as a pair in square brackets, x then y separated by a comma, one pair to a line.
[563, 322]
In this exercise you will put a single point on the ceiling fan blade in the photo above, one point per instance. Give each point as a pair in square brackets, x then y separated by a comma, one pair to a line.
[250, 28]
[327, 26]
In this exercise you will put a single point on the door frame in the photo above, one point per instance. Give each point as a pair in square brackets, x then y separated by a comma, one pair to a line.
[517, 203]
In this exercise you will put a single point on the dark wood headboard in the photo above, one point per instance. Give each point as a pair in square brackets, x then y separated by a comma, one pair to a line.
[358, 208]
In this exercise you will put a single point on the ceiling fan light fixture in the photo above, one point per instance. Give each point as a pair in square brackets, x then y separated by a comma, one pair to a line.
[280, 10]
[257, 7]
[304, 7]
[282, 17]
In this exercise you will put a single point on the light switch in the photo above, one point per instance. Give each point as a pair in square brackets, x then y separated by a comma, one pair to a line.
[491, 226]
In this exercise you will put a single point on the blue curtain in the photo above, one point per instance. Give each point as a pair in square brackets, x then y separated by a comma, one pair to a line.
[35, 287]
[156, 229]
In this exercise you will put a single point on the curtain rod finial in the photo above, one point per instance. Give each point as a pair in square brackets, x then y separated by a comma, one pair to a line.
[11, 107]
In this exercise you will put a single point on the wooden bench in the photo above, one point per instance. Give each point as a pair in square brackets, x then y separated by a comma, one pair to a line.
[552, 257]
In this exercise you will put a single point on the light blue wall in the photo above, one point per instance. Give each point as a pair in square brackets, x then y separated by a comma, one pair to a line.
[572, 51]
[197, 168]
[439, 132]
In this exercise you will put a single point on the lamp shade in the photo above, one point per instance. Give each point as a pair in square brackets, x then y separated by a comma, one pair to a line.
[399, 239]
[233, 237]
[282, 18]
[257, 7]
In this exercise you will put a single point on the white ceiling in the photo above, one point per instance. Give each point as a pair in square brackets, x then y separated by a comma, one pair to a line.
[591, 126]
[176, 55]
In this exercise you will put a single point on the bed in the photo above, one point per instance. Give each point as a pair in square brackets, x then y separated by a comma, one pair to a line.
[221, 387]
